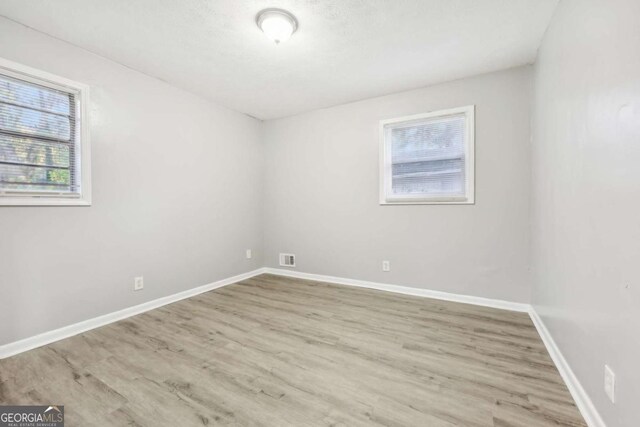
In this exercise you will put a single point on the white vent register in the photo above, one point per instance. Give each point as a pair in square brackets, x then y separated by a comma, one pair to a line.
[287, 260]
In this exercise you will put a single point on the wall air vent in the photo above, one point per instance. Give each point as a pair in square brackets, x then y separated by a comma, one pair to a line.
[287, 260]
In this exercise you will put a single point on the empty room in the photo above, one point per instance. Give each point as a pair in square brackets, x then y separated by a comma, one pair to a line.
[320, 213]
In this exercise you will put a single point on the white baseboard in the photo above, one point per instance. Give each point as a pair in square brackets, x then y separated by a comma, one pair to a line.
[406, 290]
[77, 328]
[584, 403]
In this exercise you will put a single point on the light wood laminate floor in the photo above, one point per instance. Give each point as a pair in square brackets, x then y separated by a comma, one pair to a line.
[276, 351]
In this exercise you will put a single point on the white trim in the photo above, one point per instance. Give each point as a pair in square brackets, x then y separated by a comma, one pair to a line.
[83, 158]
[385, 163]
[45, 338]
[406, 290]
[579, 394]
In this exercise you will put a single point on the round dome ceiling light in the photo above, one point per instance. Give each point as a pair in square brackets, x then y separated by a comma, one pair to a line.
[277, 24]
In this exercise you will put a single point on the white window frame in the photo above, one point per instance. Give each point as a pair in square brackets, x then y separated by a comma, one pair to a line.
[386, 197]
[83, 158]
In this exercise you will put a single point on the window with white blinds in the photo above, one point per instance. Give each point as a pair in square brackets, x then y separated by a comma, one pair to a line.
[42, 143]
[428, 158]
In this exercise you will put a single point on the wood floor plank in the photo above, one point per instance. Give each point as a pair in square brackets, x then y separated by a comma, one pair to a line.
[275, 351]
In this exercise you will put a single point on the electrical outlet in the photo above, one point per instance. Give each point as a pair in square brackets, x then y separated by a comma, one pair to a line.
[249, 254]
[138, 283]
[386, 266]
[610, 383]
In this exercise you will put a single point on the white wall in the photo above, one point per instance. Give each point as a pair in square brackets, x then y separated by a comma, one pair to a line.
[322, 194]
[586, 198]
[177, 197]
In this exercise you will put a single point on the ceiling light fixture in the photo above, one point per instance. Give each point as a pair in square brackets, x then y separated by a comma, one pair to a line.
[277, 24]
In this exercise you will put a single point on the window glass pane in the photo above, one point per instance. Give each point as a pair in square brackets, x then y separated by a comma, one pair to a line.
[30, 151]
[443, 177]
[33, 122]
[42, 176]
[428, 157]
[34, 96]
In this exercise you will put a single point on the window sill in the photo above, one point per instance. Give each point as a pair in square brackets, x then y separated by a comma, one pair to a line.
[430, 201]
[43, 201]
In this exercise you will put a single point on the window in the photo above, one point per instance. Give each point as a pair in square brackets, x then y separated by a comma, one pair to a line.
[428, 158]
[44, 138]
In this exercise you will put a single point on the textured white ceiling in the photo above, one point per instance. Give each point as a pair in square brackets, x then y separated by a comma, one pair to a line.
[344, 50]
